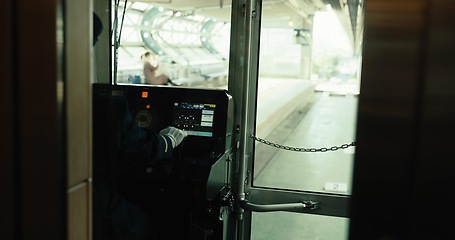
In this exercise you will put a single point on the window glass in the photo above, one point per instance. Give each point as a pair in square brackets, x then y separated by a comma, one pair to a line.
[192, 49]
[307, 105]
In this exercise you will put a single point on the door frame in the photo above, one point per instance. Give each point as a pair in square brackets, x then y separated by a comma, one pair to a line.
[243, 77]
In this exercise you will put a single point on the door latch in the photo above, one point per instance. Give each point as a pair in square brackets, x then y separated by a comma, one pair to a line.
[312, 205]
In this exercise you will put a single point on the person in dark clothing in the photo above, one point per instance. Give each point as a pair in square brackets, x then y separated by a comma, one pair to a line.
[119, 145]
[97, 28]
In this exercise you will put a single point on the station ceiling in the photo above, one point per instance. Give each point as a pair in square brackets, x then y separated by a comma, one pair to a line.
[277, 13]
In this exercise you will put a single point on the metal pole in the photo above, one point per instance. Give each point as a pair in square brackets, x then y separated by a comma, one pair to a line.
[244, 121]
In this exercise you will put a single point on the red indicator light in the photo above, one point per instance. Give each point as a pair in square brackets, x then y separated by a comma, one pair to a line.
[147, 106]
[145, 94]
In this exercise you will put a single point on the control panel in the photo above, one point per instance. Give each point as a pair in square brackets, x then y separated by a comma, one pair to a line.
[183, 192]
[202, 113]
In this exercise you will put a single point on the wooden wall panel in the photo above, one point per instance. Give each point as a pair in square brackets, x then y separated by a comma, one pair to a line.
[434, 168]
[403, 167]
[7, 122]
[39, 149]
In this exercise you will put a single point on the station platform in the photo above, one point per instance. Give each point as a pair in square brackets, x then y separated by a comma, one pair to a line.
[277, 99]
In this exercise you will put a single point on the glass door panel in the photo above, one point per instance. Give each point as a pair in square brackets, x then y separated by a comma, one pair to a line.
[297, 226]
[327, 120]
[307, 103]
[305, 122]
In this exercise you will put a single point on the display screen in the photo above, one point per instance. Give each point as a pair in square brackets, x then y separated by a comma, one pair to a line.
[194, 118]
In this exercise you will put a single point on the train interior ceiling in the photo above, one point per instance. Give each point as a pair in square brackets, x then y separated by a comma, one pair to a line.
[192, 40]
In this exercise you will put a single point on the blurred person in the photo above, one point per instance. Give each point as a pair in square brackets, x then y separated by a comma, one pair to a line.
[152, 73]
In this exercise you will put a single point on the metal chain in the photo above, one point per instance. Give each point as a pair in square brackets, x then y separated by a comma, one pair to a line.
[300, 149]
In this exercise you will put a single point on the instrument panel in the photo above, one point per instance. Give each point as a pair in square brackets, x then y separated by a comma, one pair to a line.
[202, 113]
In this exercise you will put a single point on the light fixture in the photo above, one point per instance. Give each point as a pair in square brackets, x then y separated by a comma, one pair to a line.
[328, 7]
[291, 23]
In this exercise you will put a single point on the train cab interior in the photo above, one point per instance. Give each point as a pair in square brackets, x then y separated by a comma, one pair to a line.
[301, 119]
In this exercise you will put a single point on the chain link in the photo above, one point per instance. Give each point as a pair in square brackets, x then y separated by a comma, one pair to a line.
[300, 149]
